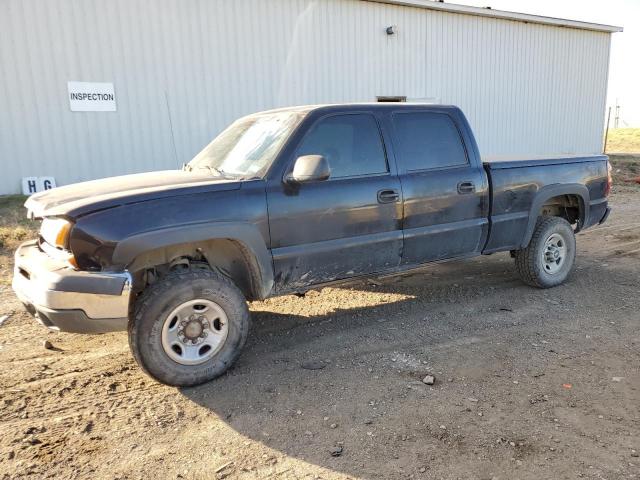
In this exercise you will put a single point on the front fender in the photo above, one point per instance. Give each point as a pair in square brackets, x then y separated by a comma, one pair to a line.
[245, 234]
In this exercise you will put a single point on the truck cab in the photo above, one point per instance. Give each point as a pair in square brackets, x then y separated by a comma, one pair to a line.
[406, 187]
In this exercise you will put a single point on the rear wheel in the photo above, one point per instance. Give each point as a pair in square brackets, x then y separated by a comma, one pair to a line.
[548, 259]
[189, 328]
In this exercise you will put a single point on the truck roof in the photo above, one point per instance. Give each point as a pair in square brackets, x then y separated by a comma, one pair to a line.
[359, 105]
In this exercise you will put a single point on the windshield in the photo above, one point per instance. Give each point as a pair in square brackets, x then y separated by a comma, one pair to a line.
[248, 146]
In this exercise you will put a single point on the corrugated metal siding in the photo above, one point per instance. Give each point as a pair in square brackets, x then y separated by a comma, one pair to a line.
[196, 65]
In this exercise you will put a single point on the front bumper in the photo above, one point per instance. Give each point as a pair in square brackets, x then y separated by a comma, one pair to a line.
[605, 216]
[68, 300]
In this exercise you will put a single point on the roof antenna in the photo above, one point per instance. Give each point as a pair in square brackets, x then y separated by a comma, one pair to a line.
[173, 138]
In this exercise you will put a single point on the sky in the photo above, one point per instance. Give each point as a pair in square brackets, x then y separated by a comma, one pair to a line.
[624, 74]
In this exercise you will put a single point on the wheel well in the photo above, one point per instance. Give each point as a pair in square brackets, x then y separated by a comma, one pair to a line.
[568, 207]
[228, 257]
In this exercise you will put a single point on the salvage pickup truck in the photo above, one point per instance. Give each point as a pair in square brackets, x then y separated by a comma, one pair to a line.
[282, 202]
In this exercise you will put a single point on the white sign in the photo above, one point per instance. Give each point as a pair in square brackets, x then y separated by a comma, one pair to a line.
[31, 185]
[91, 97]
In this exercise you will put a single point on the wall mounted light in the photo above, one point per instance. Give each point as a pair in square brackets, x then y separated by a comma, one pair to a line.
[391, 30]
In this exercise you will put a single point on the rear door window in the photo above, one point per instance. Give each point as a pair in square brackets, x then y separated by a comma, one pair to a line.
[351, 143]
[427, 140]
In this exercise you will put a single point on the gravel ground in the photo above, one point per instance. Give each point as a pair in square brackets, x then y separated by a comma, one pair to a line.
[528, 383]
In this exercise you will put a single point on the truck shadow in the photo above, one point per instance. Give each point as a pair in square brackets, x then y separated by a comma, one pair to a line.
[349, 379]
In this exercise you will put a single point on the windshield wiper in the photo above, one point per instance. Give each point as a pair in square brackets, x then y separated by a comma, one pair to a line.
[219, 172]
[214, 170]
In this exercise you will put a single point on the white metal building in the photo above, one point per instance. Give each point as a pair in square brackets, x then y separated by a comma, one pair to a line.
[181, 70]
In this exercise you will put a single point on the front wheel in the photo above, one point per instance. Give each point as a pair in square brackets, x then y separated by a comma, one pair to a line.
[189, 327]
[548, 259]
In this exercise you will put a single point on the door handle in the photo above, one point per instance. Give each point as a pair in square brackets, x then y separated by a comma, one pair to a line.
[466, 187]
[388, 196]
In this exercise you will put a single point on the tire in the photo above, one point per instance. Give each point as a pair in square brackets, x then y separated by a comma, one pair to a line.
[201, 303]
[532, 263]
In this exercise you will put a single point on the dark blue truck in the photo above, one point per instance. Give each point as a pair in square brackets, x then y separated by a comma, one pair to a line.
[282, 202]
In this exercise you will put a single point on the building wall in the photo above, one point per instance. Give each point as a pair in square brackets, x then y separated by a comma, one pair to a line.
[184, 69]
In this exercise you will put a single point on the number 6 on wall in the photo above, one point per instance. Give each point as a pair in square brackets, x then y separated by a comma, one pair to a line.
[31, 185]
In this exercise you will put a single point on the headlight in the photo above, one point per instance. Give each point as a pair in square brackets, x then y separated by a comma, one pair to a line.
[55, 231]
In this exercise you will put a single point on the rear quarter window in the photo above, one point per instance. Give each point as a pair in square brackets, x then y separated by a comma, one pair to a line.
[427, 140]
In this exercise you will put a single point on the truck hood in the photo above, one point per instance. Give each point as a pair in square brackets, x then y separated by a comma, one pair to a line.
[81, 198]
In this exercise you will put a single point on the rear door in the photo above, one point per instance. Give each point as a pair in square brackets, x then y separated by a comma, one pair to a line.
[445, 190]
[347, 225]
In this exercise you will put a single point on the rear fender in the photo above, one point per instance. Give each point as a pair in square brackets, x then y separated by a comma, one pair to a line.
[548, 192]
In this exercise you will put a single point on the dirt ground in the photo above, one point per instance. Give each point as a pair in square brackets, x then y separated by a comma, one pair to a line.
[528, 383]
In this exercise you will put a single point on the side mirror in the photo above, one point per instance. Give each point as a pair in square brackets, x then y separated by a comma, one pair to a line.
[309, 168]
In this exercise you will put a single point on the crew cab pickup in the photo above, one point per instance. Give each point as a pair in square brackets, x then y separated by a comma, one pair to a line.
[282, 202]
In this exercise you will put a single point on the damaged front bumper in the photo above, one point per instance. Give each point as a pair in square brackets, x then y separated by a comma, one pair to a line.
[68, 300]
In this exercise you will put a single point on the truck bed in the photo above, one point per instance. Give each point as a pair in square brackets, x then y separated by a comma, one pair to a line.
[520, 188]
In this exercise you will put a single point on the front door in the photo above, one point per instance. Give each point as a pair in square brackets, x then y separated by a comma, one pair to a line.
[347, 225]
